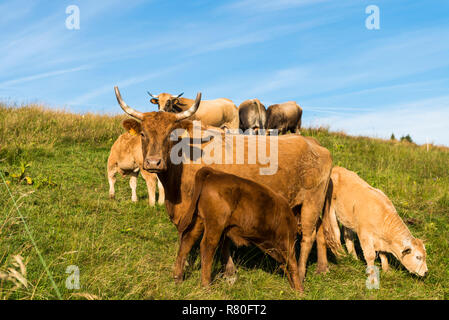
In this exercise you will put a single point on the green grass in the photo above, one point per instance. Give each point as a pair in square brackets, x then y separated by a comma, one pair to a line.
[127, 251]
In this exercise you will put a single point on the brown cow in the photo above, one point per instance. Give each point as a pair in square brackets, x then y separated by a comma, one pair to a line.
[126, 158]
[246, 212]
[220, 113]
[368, 212]
[284, 117]
[302, 177]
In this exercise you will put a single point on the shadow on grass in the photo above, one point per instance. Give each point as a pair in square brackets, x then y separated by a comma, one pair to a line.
[249, 257]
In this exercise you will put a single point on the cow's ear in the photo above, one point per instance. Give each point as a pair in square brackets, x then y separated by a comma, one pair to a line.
[154, 101]
[207, 133]
[134, 127]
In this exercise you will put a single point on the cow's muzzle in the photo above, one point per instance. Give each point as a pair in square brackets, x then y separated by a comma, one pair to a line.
[154, 164]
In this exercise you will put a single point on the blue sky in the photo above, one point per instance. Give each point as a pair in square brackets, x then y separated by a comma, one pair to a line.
[316, 52]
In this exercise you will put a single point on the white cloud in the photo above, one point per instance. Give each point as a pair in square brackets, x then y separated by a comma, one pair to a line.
[41, 76]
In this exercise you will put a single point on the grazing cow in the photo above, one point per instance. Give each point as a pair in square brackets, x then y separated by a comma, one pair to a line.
[284, 117]
[302, 177]
[126, 158]
[246, 212]
[252, 115]
[368, 212]
[220, 113]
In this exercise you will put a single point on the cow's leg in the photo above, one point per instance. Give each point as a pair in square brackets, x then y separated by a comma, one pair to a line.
[186, 241]
[310, 213]
[150, 179]
[348, 235]
[369, 253]
[133, 185]
[292, 264]
[384, 261]
[208, 247]
[298, 128]
[160, 187]
[368, 249]
[292, 267]
[226, 259]
[323, 265]
[111, 178]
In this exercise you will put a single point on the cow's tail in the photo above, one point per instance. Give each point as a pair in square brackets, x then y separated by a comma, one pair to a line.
[111, 162]
[186, 219]
[330, 225]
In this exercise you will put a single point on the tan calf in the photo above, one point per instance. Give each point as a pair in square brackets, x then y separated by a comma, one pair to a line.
[126, 158]
[367, 212]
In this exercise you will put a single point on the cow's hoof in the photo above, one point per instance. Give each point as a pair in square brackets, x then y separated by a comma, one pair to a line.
[230, 279]
[178, 279]
[323, 269]
[112, 196]
[230, 270]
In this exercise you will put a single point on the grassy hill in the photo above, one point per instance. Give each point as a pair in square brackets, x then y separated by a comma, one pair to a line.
[56, 166]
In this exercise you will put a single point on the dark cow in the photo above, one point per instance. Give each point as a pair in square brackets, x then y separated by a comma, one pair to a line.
[284, 117]
[302, 177]
[246, 212]
[252, 115]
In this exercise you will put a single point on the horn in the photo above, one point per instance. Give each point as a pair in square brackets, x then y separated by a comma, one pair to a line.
[191, 111]
[133, 113]
[178, 96]
[155, 97]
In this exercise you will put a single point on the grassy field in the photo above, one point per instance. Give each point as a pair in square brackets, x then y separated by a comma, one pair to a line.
[56, 166]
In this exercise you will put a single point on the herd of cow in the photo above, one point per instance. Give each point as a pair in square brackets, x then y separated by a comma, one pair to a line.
[227, 203]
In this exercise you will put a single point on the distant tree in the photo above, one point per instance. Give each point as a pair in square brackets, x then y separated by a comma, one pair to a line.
[392, 137]
[407, 138]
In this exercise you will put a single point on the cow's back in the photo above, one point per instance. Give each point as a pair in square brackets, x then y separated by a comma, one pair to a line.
[287, 113]
[127, 151]
[216, 113]
[302, 166]
[359, 205]
[253, 205]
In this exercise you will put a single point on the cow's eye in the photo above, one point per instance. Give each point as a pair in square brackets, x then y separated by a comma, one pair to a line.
[142, 134]
[419, 257]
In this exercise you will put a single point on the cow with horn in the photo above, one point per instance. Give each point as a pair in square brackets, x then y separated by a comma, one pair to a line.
[220, 113]
[302, 177]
